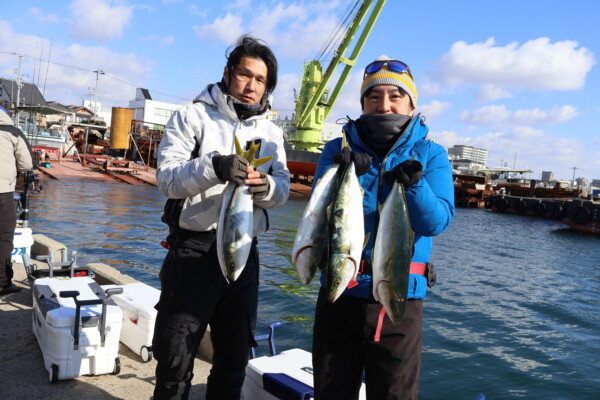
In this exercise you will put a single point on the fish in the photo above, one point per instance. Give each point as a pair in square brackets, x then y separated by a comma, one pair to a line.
[392, 254]
[346, 232]
[236, 220]
[309, 252]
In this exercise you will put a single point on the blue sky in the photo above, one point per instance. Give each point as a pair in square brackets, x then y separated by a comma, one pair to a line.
[519, 78]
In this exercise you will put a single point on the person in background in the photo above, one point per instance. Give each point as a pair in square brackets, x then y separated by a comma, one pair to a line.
[15, 157]
[354, 335]
[196, 158]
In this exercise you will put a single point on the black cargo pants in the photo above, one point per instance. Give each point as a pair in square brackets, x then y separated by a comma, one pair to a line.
[344, 347]
[195, 294]
[8, 222]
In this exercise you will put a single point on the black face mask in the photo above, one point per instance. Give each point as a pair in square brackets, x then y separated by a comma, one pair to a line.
[245, 110]
[381, 131]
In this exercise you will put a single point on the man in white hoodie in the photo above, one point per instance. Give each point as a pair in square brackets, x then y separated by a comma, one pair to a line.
[15, 156]
[196, 158]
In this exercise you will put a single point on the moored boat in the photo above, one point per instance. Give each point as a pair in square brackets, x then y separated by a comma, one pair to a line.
[580, 214]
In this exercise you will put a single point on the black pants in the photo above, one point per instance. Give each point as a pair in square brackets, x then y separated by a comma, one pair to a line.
[8, 223]
[344, 348]
[195, 294]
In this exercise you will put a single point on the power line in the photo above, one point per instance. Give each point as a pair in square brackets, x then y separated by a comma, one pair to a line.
[93, 71]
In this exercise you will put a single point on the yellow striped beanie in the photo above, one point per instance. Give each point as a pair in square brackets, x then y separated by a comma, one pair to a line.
[386, 76]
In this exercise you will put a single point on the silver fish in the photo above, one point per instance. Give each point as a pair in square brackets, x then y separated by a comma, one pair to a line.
[309, 252]
[346, 233]
[236, 221]
[392, 254]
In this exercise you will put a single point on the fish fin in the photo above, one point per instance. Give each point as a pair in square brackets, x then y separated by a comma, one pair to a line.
[257, 162]
[344, 140]
[367, 237]
[238, 147]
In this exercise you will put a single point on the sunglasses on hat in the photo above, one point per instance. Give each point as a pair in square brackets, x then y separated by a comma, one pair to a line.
[393, 65]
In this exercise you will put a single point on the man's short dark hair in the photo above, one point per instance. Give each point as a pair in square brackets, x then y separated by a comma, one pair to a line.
[247, 46]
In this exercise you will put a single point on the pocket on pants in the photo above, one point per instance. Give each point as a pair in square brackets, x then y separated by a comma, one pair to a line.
[174, 341]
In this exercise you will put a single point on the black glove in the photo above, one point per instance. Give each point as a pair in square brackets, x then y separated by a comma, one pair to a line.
[230, 168]
[362, 161]
[261, 190]
[408, 173]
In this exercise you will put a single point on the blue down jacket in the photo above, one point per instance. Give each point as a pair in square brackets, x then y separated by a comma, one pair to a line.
[430, 201]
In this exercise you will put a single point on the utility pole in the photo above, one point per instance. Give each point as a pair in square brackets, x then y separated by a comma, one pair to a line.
[574, 169]
[98, 72]
[515, 164]
[19, 86]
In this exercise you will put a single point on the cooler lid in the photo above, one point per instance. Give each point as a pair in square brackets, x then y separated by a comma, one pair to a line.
[64, 315]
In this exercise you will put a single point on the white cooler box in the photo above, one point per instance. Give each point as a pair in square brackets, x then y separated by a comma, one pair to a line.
[139, 316]
[22, 242]
[287, 375]
[77, 327]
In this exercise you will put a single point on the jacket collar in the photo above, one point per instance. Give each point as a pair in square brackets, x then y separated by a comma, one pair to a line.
[213, 95]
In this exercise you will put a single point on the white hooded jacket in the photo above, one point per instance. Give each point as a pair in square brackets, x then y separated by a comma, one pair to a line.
[211, 121]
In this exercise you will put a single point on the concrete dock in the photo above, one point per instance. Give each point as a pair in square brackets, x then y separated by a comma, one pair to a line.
[23, 375]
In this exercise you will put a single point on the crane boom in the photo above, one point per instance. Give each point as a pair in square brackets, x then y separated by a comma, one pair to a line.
[313, 105]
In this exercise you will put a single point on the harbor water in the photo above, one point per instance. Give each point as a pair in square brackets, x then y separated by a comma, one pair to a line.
[515, 313]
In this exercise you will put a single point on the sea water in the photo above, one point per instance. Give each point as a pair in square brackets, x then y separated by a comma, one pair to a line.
[515, 313]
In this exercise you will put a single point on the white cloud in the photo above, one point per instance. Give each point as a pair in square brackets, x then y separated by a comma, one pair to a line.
[434, 108]
[225, 29]
[487, 116]
[69, 85]
[500, 116]
[537, 116]
[98, 20]
[295, 31]
[49, 18]
[525, 132]
[490, 92]
[283, 97]
[536, 65]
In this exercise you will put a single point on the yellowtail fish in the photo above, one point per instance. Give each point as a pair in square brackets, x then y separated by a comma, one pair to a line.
[346, 232]
[392, 254]
[309, 252]
[236, 220]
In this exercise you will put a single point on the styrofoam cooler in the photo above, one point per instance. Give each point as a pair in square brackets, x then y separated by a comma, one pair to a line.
[22, 242]
[287, 375]
[139, 316]
[92, 348]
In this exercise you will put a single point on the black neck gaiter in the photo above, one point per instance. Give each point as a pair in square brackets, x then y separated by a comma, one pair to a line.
[381, 131]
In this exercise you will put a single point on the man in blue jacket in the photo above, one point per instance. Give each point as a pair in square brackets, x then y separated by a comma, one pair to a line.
[353, 335]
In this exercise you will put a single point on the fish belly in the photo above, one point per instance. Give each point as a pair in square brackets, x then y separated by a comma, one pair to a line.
[310, 244]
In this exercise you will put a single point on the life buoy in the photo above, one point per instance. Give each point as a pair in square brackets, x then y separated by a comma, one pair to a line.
[521, 206]
[502, 204]
[540, 208]
[556, 211]
[580, 215]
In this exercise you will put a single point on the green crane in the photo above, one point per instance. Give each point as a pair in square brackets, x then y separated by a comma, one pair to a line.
[314, 102]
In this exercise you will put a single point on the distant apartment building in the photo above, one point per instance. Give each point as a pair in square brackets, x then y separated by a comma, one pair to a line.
[547, 176]
[595, 183]
[467, 157]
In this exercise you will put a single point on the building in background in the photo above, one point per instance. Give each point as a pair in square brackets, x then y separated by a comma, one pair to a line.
[464, 158]
[154, 114]
[464, 152]
[547, 176]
